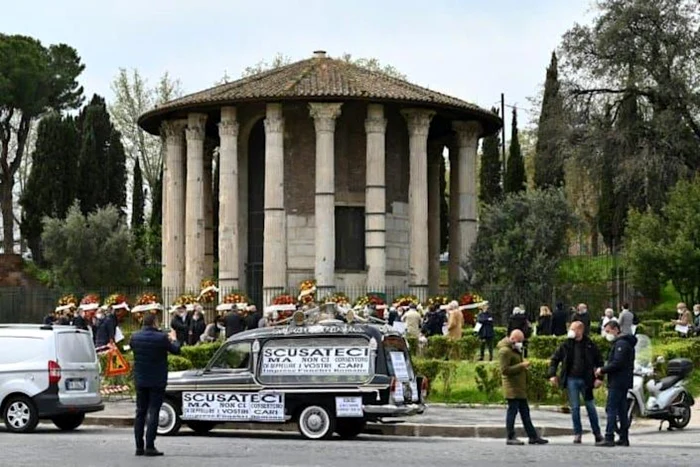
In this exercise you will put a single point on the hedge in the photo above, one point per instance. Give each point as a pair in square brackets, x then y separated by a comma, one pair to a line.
[652, 327]
[200, 354]
[178, 363]
[432, 368]
[441, 347]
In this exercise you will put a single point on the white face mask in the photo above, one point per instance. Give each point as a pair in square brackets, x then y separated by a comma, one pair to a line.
[680, 311]
[610, 337]
[571, 334]
[99, 316]
[518, 346]
[697, 312]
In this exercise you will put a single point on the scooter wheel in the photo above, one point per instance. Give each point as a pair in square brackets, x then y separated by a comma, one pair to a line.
[681, 421]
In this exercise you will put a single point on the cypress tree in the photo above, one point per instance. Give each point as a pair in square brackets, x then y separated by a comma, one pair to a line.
[116, 160]
[490, 189]
[515, 169]
[157, 208]
[549, 164]
[444, 207]
[91, 168]
[137, 199]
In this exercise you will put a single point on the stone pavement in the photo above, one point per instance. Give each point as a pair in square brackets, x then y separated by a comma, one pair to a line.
[438, 420]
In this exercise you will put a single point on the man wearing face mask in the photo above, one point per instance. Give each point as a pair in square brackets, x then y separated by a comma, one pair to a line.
[514, 378]
[180, 323]
[583, 316]
[620, 372]
[104, 330]
[684, 322]
[579, 357]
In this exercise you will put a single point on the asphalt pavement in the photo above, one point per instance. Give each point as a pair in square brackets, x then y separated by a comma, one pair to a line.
[107, 447]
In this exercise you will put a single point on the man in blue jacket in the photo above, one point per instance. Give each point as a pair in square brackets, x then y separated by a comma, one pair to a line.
[620, 371]
[151, 347]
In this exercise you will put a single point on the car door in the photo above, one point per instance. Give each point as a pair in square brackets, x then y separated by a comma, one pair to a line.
[231, 369]
[80, 368]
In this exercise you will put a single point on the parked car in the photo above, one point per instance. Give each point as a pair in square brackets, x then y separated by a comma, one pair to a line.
[330, 377]
[47, 373]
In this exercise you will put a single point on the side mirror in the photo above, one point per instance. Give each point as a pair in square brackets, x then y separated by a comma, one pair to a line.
[660, 360]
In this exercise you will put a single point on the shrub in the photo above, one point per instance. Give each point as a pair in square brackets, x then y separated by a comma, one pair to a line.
[412, 345]
[602, 344]
[466, 347]
[595, 327]
[668, 326]
[499, 333]
[665, 336]
[661, 315]
[200, 354]
[177, 363]
[538, 387]
[488, 379]
[652, 328]
[544, 346]
[427, 367]
[438, 347]
[447, 372]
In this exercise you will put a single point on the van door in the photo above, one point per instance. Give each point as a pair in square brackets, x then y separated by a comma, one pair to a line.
[398, 363]
[80, 368]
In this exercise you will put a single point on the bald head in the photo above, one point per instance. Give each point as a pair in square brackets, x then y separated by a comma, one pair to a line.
[517, 336]
[578, 327]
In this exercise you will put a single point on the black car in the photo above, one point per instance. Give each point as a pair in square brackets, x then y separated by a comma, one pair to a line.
[329, 377]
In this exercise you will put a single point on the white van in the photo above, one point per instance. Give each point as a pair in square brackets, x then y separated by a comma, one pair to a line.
[47, 373]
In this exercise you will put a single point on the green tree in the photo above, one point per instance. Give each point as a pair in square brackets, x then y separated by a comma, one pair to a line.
[137, 199]
[51, 185]
[665, 246]
[33, 80]
[515, 168]
[93, 251]
[551, 132]
[519, 246]
[490, 189]
[444, 207]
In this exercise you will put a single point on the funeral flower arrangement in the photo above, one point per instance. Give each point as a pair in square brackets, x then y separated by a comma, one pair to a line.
[236, 297]
[209, 291]
[369, 299]
[148, 298]
[438, 300]
[119, 304]
[68, 299]
[406, 300]
[284, 299]
[469, 299]
[338, 298]
[185, 299]
[307, 291]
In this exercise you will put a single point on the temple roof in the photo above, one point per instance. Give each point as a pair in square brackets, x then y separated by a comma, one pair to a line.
[315, 79]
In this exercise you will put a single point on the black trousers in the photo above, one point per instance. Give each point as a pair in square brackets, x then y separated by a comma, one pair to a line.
[484, 344]
[148, 402]
[515, 406]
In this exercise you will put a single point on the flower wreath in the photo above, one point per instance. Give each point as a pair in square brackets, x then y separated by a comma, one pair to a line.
[146, 302]
[338, 298]
[209, 291]
[438, 300]
[307, 291]
[284, 299]
[67, 302]
[119, 304]
[406, 300]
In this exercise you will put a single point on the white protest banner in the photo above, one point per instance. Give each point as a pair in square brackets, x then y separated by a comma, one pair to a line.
[233, 406]
[398, 361]
[348, 407]
[314, 361]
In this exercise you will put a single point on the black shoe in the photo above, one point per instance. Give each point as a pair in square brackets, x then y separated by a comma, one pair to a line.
[599, 438]
[621, 442]
[139, 451]
[514, 442]
[606, 443]
[152, 452]
[537, 441]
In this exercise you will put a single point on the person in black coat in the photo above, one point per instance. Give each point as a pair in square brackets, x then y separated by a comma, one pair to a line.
[181, 324]
[620, 373]
[151, 348]
[234, 323]
[486, 332]
[518, 320]
[104, 329]
[578, 359]
[583, 316]
[559, 320]
[79, 321]
[544, 321]
[253, 318]
[50, 319]
[197, 327]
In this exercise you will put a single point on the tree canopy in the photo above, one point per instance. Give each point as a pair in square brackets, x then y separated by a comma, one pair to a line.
[490, 189]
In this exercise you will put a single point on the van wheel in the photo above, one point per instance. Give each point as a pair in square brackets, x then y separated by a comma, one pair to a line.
[316, 422]
[168, 420]
[20, 415]
[201, 428]
[348, 428]
[68, 422]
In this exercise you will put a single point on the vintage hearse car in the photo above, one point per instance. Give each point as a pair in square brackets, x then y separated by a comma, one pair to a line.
[329, 377]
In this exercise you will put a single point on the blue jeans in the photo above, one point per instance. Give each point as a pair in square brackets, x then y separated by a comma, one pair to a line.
[577, 389]
[616, 409]
[148, 402]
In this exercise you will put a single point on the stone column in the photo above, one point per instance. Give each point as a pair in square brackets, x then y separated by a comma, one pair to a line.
[228, 201]
[194, 204]
[418, 128]
[375, 198]
[467, 138]
[454, 243]
[324, 116]
[209, 148]
[173, 235]
[434, 154]
[275, 235]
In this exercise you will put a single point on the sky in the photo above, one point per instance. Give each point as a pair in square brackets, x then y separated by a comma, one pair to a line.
[471, 49]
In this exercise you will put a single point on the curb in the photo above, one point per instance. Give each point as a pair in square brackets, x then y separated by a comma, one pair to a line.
[402, 429]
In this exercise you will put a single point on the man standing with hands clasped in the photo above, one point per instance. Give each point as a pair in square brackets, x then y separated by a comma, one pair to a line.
[579, 357]
[620, 372]
[151, 348]
[514, 377]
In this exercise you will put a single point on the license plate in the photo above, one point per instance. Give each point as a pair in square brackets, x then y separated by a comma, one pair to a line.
[75, 384]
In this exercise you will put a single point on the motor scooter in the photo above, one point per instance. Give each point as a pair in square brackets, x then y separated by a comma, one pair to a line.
[666, 400]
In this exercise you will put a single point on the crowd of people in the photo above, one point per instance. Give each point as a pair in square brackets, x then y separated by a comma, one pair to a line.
[102, 322]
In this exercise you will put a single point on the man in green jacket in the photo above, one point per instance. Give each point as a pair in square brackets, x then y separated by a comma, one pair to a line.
[514, 377]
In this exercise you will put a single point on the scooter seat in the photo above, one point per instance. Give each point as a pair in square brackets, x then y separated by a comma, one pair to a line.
[669, 381]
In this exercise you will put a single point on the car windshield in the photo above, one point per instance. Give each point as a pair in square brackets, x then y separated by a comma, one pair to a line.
[232, 357]
[337, 359]
[398, 361]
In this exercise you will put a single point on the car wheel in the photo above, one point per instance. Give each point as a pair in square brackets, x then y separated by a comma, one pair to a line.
[20, 415]
[168, 419]
[201, 428]
[68, 422]
[316, 422]
[683, 419]
[349, 428]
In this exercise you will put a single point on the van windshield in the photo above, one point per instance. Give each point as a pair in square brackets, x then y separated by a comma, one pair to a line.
[75, 347]
[398, 361]
[317, 360]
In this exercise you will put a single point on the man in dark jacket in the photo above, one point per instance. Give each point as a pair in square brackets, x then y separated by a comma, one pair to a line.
[234, 323]
[253, 318]
[579, 357]
[559, 319]
[583, 316]
[181, 324]
[197, 327]
[151, 348]
[486, 332]
[79, 321]
[104, 329]
[620, 372]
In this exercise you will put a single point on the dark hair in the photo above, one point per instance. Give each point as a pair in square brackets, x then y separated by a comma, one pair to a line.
[150, 320]
[613, 325]
[625, 306]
